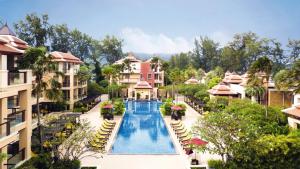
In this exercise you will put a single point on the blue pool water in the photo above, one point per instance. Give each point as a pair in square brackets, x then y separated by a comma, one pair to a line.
[143, 131]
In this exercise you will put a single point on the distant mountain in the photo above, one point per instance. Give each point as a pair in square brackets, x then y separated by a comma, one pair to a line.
[145, 56]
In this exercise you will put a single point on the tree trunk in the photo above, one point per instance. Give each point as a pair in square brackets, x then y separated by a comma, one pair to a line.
[39, 122]
[267, 97]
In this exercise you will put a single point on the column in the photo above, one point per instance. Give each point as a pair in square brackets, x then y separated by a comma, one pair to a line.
[71, 87]
[3, 114]
[25, 134]
[3, 71]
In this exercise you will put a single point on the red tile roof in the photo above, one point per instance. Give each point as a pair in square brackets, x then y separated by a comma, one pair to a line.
[293, 111]
[221, 89]
[192, 81]
[233, 78]
[7, 49]
[142, 85]
[65, 57]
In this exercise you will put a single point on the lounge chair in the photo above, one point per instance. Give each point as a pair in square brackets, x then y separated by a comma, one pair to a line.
[182, 135]
[179, 128]
[105, 130]
[107, 126]
[179, 132]
[103, 133]
[183, 139]
[177, 125]
[103, 137]
[109, 121]
[175, 122]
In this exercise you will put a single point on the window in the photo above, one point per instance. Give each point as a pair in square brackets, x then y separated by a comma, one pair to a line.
[149, 76]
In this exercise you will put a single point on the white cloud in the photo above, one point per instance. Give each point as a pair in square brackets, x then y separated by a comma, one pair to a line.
[221, 37]
[137, 40]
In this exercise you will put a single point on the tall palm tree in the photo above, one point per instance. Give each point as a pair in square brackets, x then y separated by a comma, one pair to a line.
[41, 64]
[261, 68]
[126, 65]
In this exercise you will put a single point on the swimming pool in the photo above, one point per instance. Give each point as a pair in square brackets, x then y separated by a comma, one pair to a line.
[143, 131]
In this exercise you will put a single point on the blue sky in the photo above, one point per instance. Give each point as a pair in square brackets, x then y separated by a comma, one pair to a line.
[165, 26]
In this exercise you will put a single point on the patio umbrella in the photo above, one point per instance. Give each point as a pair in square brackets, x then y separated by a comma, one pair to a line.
[176, 108]
[108, 106]
[197, 142]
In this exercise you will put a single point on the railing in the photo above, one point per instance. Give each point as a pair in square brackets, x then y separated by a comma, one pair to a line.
[5, 129]
[66, 84]
[15, 159]
[15, 78]
[66, 70]
[16, 118]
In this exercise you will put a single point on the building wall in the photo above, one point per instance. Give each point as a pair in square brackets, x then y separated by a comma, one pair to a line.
[280, 98]
[21, 131]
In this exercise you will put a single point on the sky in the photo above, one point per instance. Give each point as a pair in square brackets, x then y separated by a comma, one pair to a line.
[165, 26]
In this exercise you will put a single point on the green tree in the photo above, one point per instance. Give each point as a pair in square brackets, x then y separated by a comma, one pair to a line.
[261, 65]
[181, 61]
[111, 48]
[41, 64]
[282, 83]
[206, 54]
[34, 29]
[294, 46]
[60, 38]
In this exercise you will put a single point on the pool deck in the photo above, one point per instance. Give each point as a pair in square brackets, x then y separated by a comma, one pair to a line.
[112, 161]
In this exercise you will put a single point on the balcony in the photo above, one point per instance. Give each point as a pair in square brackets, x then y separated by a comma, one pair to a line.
[66, 84]
[130, 80]
[15, 78]
[13, 119]
[16, 118]
[14, 159]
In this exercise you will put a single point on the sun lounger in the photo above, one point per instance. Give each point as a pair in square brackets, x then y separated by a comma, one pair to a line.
[109, 121]
[175, 122]
[107, 127]
[179, 128]
[105, 130]
[179, 132]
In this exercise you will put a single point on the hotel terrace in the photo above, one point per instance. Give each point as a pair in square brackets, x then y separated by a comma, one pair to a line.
[15, 108]
[142, 81]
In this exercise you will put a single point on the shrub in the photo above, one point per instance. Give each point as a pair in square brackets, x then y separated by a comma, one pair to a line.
[42, 161]
[181, 112]
[166, 107]
[216, 164]
[119, 107]
[104, 111]
[66, 164]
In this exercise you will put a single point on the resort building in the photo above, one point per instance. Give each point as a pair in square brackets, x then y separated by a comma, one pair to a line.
[238, 85]
[222, 90]
[192, 81]
[142, 80]
[73, 89]
[15, 105]
[293, 113]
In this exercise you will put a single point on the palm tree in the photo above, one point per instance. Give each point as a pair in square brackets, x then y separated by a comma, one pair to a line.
[126, 65]
[262, 66]
[41, 64]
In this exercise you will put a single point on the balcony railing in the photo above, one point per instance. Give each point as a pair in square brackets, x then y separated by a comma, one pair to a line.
[13, 119]
[5, 129]
[15, 159]
[66, 70]
[66, 84]
[16, 118]
[15, 78]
